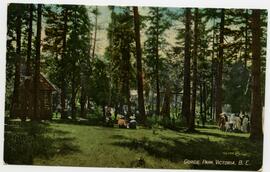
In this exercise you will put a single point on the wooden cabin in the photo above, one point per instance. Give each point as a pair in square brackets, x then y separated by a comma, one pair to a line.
[25, 108]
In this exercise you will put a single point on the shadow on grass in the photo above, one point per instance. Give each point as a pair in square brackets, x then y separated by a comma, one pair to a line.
[180, 148]
[90, 122]
[221, 134]
[27, 140]
[118, 137]
[207, 126]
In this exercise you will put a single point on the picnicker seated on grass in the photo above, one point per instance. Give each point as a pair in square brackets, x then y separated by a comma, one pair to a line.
[127, 123]
[132, 122]
[122, 122]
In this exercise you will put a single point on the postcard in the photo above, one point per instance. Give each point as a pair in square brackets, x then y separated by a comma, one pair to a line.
[148, 87]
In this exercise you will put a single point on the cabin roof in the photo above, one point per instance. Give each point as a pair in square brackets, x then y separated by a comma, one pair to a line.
[45, 84]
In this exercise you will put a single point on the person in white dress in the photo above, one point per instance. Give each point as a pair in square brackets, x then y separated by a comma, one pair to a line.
[237, 123]
[245, 122]
[231, 122]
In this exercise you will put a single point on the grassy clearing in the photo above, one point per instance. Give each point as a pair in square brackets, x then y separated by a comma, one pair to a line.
[82, 145]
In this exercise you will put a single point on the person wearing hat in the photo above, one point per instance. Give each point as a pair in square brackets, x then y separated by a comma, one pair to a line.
[132, 123]
[222, 121]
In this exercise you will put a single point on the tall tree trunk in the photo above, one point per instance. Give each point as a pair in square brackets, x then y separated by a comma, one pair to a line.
[153, 104]
[37, 66]
[16, 89]
[29, 39]
[73, 76]
[194, 83]
[165, 111]
[186, 93]
[128, 83]
[73, 97]
[28, 97]
[256, 132]
[212, 90]
[139, 64]
[157, 66]
[175, 106]
[95, 33]
[83, 96]
[213, 74]
[104, 111]
[201, 104]
[220, 66]
[111, 36]
[83, 99]
[204, 91]
[125, 52]
[63, 83]
[246, 37]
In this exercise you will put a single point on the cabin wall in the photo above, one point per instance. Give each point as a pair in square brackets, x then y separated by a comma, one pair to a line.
[45, 104]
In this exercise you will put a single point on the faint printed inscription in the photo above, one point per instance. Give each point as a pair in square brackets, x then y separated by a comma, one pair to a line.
[216, 162]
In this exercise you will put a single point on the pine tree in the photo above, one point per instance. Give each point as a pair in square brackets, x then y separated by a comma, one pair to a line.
[77, 48]
[139, 64]
[16, 93]
[256, 104]
[121, 35]
[220, 65]
[28, 102]
[96, 13]
[37, 65]
[186, 91]
[159, 22]
[55, 43]
[194, 78]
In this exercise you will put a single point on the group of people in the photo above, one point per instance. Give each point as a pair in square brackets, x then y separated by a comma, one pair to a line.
[234, 122]
[123, 121]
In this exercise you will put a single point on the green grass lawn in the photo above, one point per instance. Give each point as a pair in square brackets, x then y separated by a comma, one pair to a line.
[96, 146]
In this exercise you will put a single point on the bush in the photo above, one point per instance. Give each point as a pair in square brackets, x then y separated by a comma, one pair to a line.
[95, 116]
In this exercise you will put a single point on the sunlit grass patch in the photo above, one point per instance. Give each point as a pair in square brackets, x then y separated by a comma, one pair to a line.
[96, 146]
